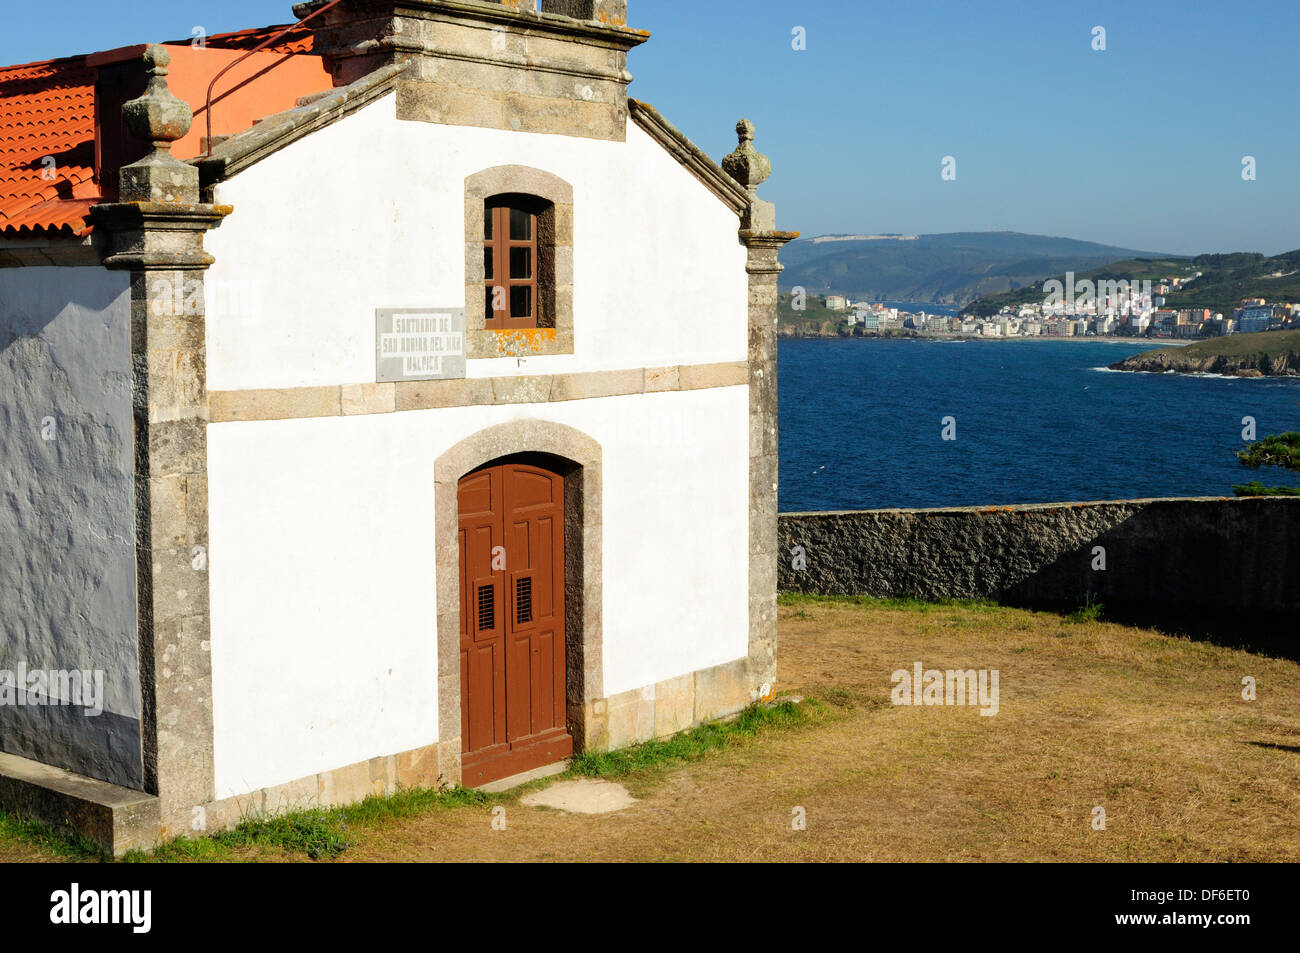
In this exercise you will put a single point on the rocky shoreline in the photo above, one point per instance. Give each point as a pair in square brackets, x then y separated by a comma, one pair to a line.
[1190, 360]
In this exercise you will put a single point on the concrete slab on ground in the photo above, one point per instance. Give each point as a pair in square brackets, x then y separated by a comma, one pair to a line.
[583, 796]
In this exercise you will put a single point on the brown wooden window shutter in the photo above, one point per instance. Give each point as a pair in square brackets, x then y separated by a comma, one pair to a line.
[513, 256]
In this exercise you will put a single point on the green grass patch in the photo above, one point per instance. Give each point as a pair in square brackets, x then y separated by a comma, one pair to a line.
[1090, 612]
[1255, 488]
[319, 833]
[65, 844]
[905, 603]
[696, 743]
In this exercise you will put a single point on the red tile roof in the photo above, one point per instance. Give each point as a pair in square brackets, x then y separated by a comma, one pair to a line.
[47, 135]
[47, 146]
[298, 41]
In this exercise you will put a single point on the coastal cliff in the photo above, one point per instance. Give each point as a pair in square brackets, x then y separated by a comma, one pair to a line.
[1264, 354]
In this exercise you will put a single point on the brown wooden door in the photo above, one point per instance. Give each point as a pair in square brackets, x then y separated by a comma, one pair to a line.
[512, 645]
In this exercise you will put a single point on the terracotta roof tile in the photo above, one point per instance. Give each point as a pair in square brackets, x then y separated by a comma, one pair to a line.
[47, 144]
[299, 41]
[47, 137]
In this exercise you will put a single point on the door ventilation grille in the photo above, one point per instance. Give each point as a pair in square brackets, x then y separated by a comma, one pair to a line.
[523, 600]
[487, 608]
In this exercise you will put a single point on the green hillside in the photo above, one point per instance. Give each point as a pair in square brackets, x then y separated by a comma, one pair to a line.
[1265, 343]
[1224, 282]
[814, 311]
[1134, 269]
[1229, 278]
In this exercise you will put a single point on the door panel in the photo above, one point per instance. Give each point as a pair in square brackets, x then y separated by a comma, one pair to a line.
[512, 621]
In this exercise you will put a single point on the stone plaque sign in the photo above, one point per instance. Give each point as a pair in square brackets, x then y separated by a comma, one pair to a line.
[419, 344]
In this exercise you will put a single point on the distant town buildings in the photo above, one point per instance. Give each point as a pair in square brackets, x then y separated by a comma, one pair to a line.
[1111, 315]
[1256, 317]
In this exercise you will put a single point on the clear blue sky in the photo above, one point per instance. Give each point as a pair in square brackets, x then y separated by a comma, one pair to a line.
[1139, 146]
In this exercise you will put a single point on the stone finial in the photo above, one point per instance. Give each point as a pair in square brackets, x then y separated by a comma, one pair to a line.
[747, 165]
[158, 116]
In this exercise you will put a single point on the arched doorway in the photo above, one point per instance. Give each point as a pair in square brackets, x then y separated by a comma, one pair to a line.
[513, 646]
[577, 458]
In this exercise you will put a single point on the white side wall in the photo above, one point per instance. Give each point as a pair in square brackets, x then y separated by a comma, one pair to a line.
[369, 213]
[324, 633]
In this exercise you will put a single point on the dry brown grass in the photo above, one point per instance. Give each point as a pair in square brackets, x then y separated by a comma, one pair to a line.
[16, 851]
[1151, 728]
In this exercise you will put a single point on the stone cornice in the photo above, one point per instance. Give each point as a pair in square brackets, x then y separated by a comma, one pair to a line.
[152, 236]
[764, 247]
[765, 238]
[605, 34]
[689, 155]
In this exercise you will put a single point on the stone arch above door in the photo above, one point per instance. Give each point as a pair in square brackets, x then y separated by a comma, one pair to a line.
[579, 459]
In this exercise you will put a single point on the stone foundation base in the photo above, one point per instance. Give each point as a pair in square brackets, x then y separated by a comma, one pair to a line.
[119, 819]
[668, 707]
[433, 766]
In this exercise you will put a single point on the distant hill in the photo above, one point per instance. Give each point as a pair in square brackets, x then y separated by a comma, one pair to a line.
[1225, 280]
[953, 268]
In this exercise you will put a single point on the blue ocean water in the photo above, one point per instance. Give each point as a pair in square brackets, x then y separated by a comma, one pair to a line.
[1036, 422]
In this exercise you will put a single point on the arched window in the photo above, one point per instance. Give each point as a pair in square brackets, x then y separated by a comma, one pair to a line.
[518, 263]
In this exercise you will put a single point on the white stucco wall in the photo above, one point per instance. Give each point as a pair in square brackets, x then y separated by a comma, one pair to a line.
[369, 213]
[322, 561]
[67, 512]
[323, 579]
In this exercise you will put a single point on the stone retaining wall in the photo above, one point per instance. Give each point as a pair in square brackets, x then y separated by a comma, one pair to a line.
[1210, 554]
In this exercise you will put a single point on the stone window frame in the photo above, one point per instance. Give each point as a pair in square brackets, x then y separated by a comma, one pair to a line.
[556, 226]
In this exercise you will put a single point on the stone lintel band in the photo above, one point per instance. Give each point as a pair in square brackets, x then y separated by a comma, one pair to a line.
[348, 400]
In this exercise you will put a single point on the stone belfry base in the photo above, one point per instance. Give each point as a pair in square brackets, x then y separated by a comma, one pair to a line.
[496, 65]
